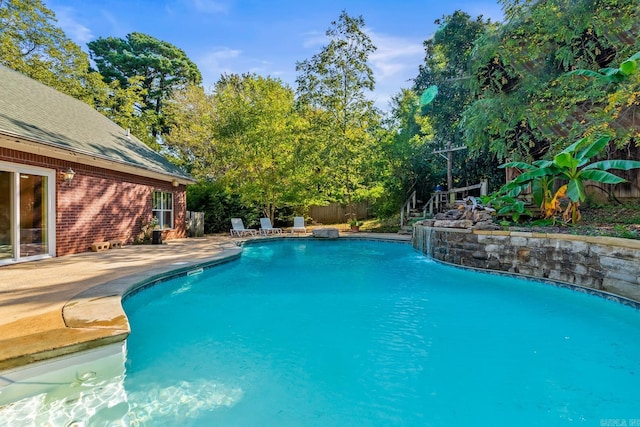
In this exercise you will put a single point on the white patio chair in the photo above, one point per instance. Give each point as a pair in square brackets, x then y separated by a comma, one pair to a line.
[298, 225]
[266, 228]
[238, 228]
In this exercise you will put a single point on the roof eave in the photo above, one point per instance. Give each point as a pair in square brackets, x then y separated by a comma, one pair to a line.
[32, 145]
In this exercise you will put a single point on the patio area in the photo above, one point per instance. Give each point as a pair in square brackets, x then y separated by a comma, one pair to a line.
[63, 305]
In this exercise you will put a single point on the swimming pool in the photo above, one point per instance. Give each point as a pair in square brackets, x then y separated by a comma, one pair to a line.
[359, 333]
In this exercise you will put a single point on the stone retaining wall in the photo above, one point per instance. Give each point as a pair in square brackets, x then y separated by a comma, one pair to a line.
[602, 263]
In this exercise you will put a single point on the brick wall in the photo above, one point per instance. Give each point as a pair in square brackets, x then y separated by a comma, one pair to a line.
[100, 204]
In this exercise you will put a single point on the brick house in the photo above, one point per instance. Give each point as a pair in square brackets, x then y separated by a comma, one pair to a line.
[70, 177]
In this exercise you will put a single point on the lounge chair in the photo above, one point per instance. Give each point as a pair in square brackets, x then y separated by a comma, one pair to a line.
[238, 228]
[298, 225]
[266, 228]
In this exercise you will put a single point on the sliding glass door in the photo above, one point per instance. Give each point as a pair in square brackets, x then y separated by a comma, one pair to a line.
[26, 213]
[33, 215]
[6, 216]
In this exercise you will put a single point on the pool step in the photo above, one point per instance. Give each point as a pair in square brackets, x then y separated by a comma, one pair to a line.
[406, 230]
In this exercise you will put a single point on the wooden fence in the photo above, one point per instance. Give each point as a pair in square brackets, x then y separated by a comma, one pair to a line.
[601, 193]
[335, 213]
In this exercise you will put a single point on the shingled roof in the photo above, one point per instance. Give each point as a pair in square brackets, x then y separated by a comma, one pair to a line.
[40, 114]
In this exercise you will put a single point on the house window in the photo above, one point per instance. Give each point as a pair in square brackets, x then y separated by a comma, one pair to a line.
[163, 208]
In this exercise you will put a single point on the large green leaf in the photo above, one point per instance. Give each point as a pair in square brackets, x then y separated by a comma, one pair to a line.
[513, 188]
[586, 73]
[575, 190]
[504, 210]
[614, 164]
[565, 161]
[628, 67]
[542, 163]
[610, 71]
[576, 145]
[540, 172]
[540, 188]
[530, 175]
[519, 165]
[601, 176]
[592, 149]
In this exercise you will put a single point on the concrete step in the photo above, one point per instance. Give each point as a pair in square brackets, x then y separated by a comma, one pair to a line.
[406, 230]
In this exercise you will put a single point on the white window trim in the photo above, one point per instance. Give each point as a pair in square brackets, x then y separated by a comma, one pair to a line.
[163, 209]
[17, 169]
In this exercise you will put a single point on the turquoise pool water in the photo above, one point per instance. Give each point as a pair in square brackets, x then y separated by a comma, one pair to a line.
[361, 333]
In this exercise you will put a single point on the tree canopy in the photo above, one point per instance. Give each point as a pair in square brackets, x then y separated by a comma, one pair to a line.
[527, 106]
[246, 135]
[446, 66]
[332, 89]
[157, 66]
[33, 44]
[522, 90]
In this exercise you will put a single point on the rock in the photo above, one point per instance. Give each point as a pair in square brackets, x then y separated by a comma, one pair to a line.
[462, 223]
[326, 233]
[450, 215]
[486, 225]
[481, 216]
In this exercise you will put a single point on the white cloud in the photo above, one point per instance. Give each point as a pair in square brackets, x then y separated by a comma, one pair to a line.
[395, 63]
[75, 30]
[314, 39]
[216, 62]
[224, 60]
[395, 55]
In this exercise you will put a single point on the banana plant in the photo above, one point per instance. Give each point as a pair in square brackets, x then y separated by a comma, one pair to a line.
[574, 165]
[613, 75]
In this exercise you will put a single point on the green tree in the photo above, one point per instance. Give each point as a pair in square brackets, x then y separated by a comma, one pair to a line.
[332, 89]
[123, 106]
[527, 108]
[245, 135]
[161, 67]
[619, 106]
[192, 139]
[219, 205]
[32, 43]
[405, 163]
[446, 66]
[573, 164]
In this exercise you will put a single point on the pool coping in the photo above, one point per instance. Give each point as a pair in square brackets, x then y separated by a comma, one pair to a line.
[92, 315]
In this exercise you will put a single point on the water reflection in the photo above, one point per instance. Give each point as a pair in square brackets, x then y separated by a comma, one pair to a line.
[88, 390]
[81, 390]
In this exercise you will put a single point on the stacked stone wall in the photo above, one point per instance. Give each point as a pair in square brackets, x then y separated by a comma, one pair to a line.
[600, 263]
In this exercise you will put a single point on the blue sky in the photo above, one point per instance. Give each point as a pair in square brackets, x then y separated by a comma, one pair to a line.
[268, 37]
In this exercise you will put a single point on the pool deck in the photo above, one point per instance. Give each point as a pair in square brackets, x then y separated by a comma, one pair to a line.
[59, 306]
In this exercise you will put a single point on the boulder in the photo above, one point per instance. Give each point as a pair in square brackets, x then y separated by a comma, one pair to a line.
[461, 223]
[486, 225]
[450, 215]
